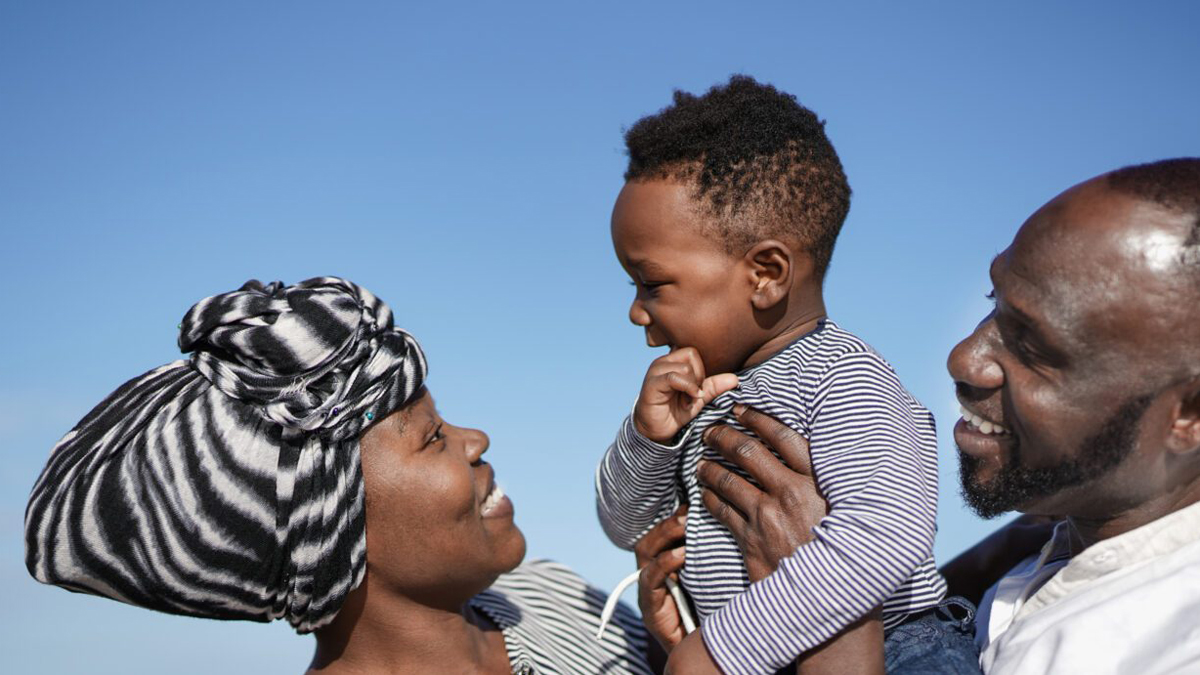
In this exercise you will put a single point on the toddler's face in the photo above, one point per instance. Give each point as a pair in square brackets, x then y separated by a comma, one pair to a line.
[690, 292]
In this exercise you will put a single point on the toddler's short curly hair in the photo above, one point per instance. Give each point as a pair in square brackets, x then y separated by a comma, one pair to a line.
[760, 163]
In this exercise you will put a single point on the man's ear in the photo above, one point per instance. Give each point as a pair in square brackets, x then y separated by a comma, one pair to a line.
[1184, 436]
[772, 267]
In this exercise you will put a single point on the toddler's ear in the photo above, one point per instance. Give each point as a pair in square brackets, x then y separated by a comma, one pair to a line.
[772, 267]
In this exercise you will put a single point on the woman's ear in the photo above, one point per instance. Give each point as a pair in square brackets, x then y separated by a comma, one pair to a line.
[772, 267]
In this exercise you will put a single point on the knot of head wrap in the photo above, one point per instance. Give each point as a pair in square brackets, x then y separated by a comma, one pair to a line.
[316, 356]
[229, 486]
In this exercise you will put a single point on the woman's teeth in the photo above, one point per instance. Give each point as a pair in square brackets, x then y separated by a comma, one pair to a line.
[492, 499]
[982, 425]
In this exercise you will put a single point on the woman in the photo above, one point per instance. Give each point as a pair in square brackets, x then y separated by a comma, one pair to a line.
[296, 467]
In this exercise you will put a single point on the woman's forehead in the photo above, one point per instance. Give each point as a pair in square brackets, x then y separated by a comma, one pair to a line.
[421, 412]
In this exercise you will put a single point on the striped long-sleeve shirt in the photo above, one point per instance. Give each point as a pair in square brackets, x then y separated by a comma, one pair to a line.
[874, 455]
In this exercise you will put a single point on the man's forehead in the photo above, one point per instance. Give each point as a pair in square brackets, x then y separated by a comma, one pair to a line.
[1090, 259]
[1095, 235]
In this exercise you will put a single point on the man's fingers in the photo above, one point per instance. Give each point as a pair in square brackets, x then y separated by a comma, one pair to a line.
[788, 442]
[667, 534]
[749, 454]
[655, 572]
[725, 513]
[729, 486]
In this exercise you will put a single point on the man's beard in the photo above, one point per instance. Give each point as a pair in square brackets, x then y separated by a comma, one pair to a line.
[1016, 484]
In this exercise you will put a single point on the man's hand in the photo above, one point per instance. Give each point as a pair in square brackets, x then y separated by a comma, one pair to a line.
[673, 393]
[660, 554]
[770, 523]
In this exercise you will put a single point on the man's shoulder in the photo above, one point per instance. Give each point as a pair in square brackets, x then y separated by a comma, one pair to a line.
[1136, 594]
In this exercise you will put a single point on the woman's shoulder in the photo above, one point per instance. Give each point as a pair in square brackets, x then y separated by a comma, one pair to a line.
[541, 574]
[551, 587]
[554, 612]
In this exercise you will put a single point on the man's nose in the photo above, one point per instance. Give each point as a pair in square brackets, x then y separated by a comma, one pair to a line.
[972, 362]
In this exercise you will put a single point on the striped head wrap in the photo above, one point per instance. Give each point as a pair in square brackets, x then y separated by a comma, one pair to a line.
[228, 485]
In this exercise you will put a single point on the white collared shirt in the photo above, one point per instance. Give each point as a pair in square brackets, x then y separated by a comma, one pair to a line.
[1129, 604]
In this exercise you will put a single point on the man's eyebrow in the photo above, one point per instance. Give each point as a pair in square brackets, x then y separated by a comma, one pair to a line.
[1005, 306]
[992, 266]
[1029, 325]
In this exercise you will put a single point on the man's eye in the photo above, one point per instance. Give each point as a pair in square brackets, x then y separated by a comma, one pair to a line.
[991, 295]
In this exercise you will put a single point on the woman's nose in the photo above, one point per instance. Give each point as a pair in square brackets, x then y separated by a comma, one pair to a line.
[476, 443]
[638, 314]
[972, 362]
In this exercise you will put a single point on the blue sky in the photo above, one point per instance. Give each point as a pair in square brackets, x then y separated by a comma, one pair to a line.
[460, 160]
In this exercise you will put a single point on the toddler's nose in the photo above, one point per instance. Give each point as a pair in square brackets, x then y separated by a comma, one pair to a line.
[638, 314]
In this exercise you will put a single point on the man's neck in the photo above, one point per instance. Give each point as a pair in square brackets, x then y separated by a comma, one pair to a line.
[1088, 531]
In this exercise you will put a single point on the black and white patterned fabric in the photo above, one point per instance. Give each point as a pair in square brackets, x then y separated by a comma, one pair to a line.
[549, 617]
[228, 485]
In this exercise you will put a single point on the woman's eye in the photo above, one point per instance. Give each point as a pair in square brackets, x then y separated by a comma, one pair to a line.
[436, 437]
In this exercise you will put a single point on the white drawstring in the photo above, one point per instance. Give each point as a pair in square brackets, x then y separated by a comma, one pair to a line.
[685, 614]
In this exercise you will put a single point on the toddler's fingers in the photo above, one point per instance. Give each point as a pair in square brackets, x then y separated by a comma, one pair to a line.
[718, 384]
[682, 383]
[687, 356]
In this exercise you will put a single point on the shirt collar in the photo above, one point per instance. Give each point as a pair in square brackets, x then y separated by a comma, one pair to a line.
[1153, 540]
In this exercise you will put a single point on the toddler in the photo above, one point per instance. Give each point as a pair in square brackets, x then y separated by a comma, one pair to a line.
[726, 224]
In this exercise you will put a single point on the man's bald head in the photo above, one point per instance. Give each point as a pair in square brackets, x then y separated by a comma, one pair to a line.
[1172, 183]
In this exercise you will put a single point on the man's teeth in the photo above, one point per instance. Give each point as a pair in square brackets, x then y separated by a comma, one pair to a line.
[493, 498]
[981, 424]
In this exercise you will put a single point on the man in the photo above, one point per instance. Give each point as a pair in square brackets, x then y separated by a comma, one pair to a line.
[1081, 399]
[1081, 403]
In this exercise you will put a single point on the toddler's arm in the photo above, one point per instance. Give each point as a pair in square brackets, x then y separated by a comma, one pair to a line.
[635, 482]
[635, 485]
[875, 458]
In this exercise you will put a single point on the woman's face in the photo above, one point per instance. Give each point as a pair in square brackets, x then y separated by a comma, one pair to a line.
[438, 529]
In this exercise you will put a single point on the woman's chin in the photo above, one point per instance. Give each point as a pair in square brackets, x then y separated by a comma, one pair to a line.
[514, 550]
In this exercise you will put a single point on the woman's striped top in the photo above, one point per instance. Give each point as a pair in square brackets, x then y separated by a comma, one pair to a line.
[549, 617]
[874, 453]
